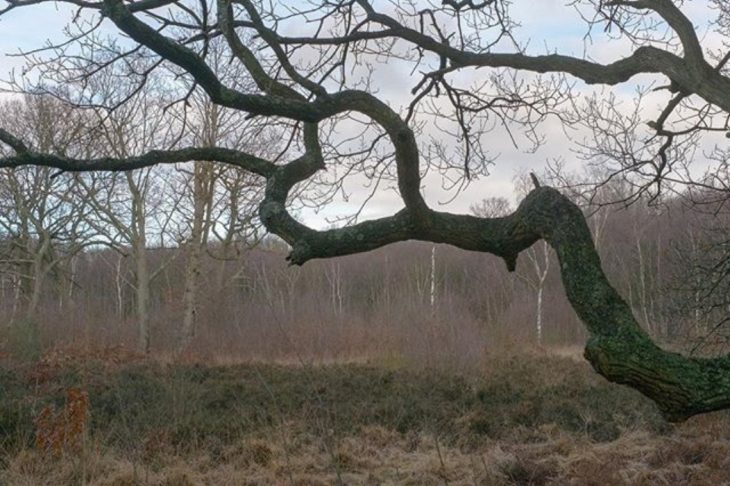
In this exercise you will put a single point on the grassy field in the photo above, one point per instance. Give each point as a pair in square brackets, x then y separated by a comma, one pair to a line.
[526, 419]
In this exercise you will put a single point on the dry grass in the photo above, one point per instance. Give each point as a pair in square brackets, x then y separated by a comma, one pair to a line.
[531, 419]
[379, 456]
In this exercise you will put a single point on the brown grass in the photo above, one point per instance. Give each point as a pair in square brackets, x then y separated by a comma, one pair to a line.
[522, 420]
[379, 456]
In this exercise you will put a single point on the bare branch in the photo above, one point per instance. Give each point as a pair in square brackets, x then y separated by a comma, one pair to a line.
[151, 158]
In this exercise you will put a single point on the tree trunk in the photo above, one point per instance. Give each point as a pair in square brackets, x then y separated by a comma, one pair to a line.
[538, 323]
[334, 278]
[192, 274]
[203, 181]
[432, 293]
[142, 273]
[619, 349]
[119, 287]
[37, 277]
[142, 291]
[17, 282]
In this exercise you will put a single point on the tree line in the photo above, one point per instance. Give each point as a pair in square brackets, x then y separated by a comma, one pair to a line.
[172, 259]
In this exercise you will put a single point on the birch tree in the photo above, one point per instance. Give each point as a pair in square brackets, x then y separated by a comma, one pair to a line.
[220, 205]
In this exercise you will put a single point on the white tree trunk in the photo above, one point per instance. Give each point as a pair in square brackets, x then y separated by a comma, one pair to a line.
[334, 277]
[142, 278]
[432, 293]
[541, 269]
[538, 322]
[190, 294]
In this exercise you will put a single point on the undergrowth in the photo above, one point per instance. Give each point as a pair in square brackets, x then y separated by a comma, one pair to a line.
[265, 415]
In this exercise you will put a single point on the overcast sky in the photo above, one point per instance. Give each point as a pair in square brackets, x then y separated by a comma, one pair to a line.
[547, 23]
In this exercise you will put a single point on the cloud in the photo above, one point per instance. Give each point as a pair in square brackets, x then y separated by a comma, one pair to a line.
[547, 24]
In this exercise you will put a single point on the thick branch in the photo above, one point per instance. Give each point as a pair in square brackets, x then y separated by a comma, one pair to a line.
[618, 348]
[266, 83]
[676, 20]
[400, 134]
[234, 157]
[692, 73]
[193, 64]
[272, 40]
[13, 142]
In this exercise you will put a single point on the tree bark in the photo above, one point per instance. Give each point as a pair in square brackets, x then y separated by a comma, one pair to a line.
[142, 274]
[538, 317]
[618, 348]
[142, 291]
[190, 293]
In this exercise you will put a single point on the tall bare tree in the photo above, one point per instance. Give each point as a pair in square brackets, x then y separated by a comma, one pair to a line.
[220, 206]
[132, 209]
[42, 225]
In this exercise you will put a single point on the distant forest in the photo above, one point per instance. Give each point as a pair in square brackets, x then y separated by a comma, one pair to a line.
[171, 260]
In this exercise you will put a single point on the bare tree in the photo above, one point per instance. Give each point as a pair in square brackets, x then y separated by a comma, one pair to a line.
[220, 205]
[42, 225]
[132, 209]
[701, 275]
[325, 77]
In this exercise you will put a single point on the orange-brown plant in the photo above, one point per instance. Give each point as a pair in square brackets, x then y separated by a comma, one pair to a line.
[63, 430]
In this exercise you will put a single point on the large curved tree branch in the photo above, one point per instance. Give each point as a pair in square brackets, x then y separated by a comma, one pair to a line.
[25, 157]
[293, 106]
[690, 73]
[674, 17]
[618, 348]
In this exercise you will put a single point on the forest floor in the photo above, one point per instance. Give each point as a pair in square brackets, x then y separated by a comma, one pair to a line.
[111, 419]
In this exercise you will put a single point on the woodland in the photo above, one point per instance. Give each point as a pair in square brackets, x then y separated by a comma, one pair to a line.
[163, 168]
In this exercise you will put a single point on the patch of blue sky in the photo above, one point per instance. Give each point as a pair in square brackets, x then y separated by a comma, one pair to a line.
[27, 28]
